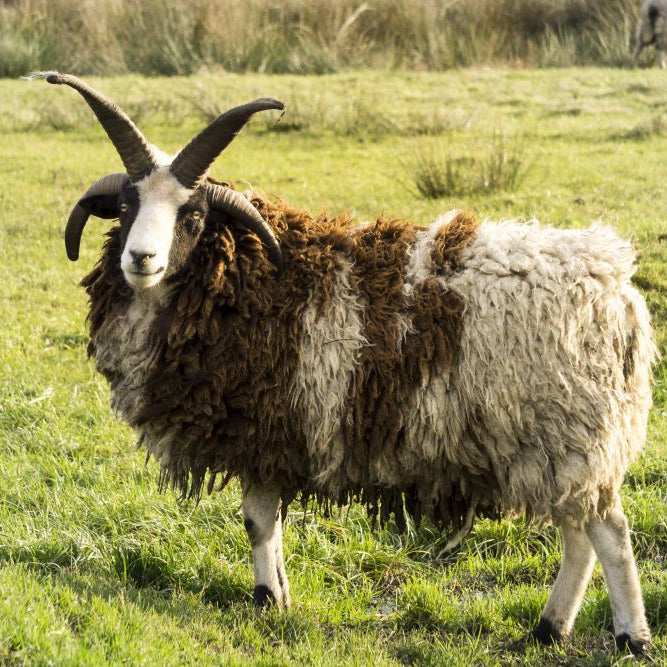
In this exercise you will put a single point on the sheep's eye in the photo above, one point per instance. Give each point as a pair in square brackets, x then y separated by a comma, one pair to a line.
[193, 221]
[124, 208]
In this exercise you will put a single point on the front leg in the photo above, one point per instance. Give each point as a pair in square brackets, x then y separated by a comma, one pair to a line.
[263, 523]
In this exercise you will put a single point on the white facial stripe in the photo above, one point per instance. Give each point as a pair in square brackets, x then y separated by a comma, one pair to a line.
[152, 232]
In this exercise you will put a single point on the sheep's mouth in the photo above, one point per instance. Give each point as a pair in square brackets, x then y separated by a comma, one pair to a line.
[142, 274]
[144, 279]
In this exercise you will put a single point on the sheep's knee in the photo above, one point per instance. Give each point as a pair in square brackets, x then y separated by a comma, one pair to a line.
[262, 521]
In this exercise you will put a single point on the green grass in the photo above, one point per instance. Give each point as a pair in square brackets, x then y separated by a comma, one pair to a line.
[96, 567]
[495, 163]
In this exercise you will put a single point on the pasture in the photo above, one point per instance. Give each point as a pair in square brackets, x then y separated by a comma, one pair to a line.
[97, 567]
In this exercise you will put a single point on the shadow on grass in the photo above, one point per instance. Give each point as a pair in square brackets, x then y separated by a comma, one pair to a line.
[142, 576]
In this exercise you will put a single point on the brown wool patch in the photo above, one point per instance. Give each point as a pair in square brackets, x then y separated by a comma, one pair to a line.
[452, 239]
[397, 361]
[225, 350]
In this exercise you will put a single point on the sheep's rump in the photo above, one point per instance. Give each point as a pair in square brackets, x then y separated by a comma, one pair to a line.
[500, 367]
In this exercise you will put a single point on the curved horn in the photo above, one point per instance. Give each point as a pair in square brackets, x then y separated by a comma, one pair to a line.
[131, 145]
[241, 209]
[191, 164]
[109, 185]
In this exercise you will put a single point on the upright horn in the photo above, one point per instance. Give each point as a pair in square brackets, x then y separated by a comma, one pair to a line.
[192, 163]
[130, 143]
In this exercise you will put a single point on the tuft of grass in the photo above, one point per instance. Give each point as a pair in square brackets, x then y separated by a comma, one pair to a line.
[500, 165]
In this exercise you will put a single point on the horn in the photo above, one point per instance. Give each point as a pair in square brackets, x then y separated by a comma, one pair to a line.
[111, 184]
[131, 145]
[192, 163]
[236, 205]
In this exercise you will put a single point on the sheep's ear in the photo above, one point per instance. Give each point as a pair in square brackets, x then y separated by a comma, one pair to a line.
[100, 200]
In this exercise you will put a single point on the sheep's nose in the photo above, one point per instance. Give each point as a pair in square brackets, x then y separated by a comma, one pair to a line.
[141, 258]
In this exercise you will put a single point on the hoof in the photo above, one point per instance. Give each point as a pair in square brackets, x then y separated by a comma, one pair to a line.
[263, 597]
[636, 646]
[546, 632]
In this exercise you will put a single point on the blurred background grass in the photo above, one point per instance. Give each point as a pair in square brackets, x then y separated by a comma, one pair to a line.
[168, 37]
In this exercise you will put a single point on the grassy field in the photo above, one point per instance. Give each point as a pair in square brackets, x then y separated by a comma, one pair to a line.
[96, 567]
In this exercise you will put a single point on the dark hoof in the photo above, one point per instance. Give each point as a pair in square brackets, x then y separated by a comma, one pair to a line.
[263, 597]
[546, 632]
[636, 646]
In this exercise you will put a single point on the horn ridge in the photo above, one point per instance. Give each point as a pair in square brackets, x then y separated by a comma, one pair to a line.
[192, 163]
[126, 137]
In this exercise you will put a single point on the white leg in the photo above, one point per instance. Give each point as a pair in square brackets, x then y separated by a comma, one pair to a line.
[575, 572]
[611, 540]
[263, 523]
[280, 565]
[661, 59]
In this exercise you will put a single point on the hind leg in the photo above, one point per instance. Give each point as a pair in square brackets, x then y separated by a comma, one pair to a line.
[575, 572]
[611, 540]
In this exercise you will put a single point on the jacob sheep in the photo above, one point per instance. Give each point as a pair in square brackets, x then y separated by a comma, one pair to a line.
[652, 29]
[447, 372]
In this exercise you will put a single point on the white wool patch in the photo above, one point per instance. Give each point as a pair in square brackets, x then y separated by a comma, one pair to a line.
[152, 232]
[549, 316]
[329, 351]
[163, 159]
[123, 349]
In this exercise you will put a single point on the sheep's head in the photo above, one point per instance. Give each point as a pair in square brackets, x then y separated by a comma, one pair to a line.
[162, 204]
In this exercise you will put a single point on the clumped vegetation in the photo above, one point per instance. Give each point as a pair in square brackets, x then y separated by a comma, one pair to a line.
[498, 163]
[308, 36]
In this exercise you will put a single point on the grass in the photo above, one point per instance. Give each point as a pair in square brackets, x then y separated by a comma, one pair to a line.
[169, 37]
[97, 567]
[498, 163]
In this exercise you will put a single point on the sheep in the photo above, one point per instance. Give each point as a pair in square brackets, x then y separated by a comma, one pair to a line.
[652, 29]
[447, 372]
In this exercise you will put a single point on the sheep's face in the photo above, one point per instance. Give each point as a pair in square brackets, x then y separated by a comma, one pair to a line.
[162, 202]
[161, 222]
